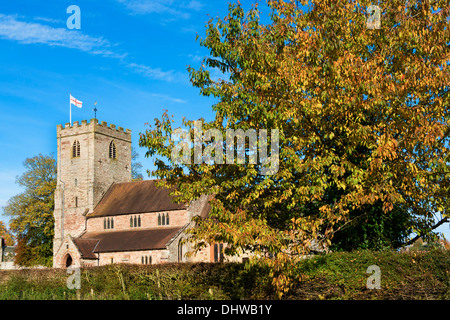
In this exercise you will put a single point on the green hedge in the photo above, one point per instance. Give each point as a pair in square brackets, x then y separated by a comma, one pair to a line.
[418, 275]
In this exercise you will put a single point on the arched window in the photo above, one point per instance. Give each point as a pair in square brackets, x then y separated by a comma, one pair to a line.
[139, 221]
[112, 150]
[167, 219]
[180, 251]
[131, 222]
[159, 219]
[76, 149]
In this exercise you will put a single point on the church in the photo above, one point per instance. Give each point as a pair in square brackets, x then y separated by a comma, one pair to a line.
[103, 217]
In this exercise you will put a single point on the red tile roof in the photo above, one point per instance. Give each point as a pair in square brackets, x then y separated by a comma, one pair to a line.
[130, 240]
[135, 197]
[86, 247]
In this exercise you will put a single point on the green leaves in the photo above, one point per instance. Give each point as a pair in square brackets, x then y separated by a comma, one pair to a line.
[362, 116]
[31, 212]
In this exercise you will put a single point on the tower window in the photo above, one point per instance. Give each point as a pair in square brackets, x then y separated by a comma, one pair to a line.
[76, 149]
[112, 150]
[76, 202]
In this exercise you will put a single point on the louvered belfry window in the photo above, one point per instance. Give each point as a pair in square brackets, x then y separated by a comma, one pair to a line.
[76, 149]
[112, 150]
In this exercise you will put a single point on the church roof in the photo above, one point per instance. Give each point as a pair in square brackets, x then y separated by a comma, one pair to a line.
[129, 240]
[86, 247]
[135, 197]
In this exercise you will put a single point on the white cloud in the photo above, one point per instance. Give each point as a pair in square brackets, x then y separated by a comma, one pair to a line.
[35, 33]
[168, 98]
[50, 20]
[195, 5]
[178, 9]
[31, 33]
[156, 73]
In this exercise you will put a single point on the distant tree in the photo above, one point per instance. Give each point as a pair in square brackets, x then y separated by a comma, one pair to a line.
[6, 234]
[31, 212]
[136, 166]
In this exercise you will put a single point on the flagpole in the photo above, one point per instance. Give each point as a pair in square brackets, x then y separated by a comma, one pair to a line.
[70, 108]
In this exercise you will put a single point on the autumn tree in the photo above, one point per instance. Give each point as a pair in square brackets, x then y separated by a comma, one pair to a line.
[6, 234]
[31, 212]
[362, 110]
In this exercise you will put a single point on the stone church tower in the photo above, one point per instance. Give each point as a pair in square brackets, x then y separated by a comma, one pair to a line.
[91, 157]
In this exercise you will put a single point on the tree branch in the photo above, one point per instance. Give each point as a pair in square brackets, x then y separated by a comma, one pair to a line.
[444, 220]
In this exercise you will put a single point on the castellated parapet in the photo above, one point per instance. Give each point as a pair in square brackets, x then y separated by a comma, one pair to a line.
[91, 156]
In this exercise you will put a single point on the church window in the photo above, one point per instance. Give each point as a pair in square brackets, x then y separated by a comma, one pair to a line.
[112, 150]
[108, 223]
[76, 149]
[180, 251]
[218, 252]
[135, 221]
[163, 219]
[146, 259]
[76, 202]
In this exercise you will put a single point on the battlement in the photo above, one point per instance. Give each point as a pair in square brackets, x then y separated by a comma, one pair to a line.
[89, 126]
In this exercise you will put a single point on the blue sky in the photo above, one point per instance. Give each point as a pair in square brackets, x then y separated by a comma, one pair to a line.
[130, 56]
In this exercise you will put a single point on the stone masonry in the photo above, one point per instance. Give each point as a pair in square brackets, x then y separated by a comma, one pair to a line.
[82, 181]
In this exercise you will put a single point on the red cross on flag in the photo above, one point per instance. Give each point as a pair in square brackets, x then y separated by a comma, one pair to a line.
[76, 102]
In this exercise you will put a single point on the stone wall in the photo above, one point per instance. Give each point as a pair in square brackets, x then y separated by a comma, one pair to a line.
[177, 218]
[82, 181]
[157, 256]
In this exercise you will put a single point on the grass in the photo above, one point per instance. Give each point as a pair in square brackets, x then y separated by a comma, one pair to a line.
[418, 275]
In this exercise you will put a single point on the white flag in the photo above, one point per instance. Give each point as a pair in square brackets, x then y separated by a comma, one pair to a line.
[76, 102]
